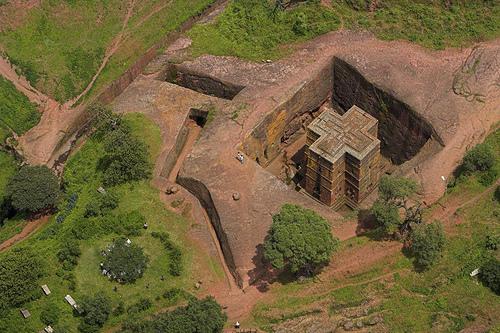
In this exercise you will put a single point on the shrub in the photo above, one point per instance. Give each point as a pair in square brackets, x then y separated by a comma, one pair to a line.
[120, 309]
[175, 294]
[129, 224]
[497, 194]
[33, 188]
[50, 314]
[299, 240]
[124, 262]
[69, 253]
[174, 253]
[141, 305]
[204, 315]
[479, 158]
[489, 275]
[101, 204]
[427, 243]
[20, 270]
[95, 311]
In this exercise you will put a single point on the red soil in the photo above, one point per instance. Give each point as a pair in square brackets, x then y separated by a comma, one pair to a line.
[28, 230]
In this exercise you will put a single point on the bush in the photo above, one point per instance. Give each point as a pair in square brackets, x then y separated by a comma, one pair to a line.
[95, 311]
[427, 243]
[479, 158]
[497, 194]
[199, 316]
[124, 262]
[69, 253]
[126, 158]
[299, 240]
[120, 309]
[174, 253]
[20, 270]
[33, 189]
[175, 294]
[101, 204]
[489, 275]
[50, 314]
[129, 224]
[141, 305]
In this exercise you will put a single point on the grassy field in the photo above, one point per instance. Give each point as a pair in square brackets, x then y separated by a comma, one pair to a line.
[61, 43]
[442, 299]
[16, 112]
[248, 29]
[82, 177]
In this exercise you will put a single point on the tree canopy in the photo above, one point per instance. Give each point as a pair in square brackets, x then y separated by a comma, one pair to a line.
[124, 262]
[394, 211]
[489, 274]
[427, 243]
[20, 270]
[33, 189]
[126, 159]
[299, 240]
[95, 311]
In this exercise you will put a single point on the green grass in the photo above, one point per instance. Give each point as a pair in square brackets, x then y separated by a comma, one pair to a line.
[247, 29]
[11, 227]
[427, 22]
[145, 34]
[61, 43]
[82, 177]
[17, 113]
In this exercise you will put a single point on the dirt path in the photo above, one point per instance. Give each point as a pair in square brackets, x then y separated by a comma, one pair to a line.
[112, 48]
[35, 96]
[28, 230]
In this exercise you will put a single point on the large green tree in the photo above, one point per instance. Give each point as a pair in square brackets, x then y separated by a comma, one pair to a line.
[299, 240]
[427, 243]
[33, 189]
[126, 159]
[395, 210]
[124, 261]
[20, 270]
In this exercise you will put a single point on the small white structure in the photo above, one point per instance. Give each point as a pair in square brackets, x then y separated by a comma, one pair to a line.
[474, 272]
[25, 313]
[101, 190]
[48, 329]
[46, 289]
[71, 301]
[128, 241]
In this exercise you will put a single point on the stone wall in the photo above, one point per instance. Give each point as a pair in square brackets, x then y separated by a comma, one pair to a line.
[265, 142]
[401, 130]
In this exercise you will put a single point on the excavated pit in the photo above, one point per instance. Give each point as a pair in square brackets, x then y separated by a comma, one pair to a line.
[401, 130]
[201, 82]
